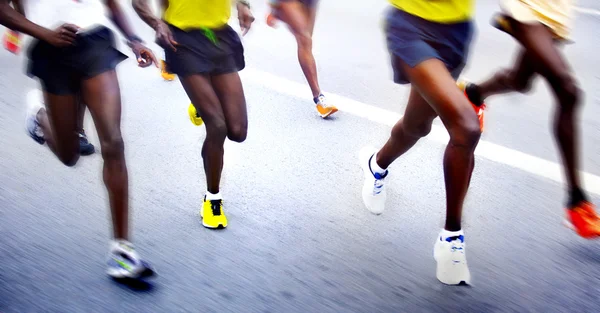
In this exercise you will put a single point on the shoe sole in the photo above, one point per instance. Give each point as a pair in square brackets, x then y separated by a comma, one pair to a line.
[328, 114]
[220, 226]
[572, 227]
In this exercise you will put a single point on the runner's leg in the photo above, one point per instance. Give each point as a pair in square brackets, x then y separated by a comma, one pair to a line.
[293, 14]
[59, 124]
[102, 95]
[230, 92]
[518, 78]
[199, 89]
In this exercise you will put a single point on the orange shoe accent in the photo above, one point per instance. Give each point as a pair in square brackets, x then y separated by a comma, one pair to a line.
[584, 220]
[12, 41]
[479, 110]
[271, 19]
[164, 73]
[326, 111]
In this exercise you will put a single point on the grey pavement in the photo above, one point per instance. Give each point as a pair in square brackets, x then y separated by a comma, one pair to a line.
[299, 239]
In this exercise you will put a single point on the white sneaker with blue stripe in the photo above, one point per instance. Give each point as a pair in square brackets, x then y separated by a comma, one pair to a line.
[450, 254]
[373, 192]
[124, 262]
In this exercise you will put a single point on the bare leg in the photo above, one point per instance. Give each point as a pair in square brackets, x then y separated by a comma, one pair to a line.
[294, 15]
[228, 88]
[518, 78]
[103, 98]
[549, 62]
[438, 89]
[199, 89]
[59, 124]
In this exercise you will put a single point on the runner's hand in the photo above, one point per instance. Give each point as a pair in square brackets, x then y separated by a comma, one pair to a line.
[143, 55]
[246, 18]
[63, 36]
[164, 37]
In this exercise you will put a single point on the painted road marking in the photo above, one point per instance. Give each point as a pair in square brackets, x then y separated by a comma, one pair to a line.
[488, 150]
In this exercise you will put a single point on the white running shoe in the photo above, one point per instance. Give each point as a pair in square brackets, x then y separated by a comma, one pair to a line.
[373, 192]
[124, 262]
[34, 105]
[450, 255]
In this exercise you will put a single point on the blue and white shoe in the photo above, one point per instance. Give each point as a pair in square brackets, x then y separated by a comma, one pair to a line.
[373, 192]
[450, 254]
[34, 105]
[124, 262]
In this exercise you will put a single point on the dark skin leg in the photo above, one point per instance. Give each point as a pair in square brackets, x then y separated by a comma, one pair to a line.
[301, 21]
[518, 78]
[200, 90]
[102, 95]
[59, 124]
[230, 92]
[434, 92]
[545, 58]
[80, 115]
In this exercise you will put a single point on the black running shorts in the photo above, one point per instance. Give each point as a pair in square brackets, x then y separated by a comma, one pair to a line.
[61, 70]
[203, 51]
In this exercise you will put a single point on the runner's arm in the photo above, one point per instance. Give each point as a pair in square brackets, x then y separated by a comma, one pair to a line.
[12, 19]
[142, 8]
[120, 19]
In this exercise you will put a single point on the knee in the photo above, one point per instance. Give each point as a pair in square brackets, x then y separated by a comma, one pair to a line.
[568, 92]
[216, 129]
[416, 130]
[237, 133]
[69, 160]
[113, 148]
[304, 39]
[466, 134]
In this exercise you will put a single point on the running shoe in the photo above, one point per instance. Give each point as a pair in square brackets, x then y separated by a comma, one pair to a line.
[271, 20]
[31, 122]
[124, 262]
[85, 147]
[166, 75]
[584, 220]
[373, 192]
[12, 41]
[450, 255]
[212, 214]
[323, 108]
[194, 116]
[479, 109]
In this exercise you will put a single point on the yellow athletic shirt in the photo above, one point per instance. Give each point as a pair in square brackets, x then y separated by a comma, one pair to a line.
[194, 14]
[439, 11]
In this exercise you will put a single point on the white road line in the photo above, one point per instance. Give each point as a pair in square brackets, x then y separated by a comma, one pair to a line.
[488, 150]
[587, 11]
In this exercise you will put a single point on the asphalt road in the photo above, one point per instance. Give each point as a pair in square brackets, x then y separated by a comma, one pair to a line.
[299, 239]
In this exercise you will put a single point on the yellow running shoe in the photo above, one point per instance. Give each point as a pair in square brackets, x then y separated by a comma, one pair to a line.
[324, 109]
[194, 117]
[164, 73]
[212, 214]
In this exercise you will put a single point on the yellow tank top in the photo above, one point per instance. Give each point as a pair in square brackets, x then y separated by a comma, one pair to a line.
[194, 14]
[439, 11]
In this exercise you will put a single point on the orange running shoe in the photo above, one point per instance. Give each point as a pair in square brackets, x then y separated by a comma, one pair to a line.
[164, 73]
[478, 109]
[584, 220]
[12, 41]
[271, 19]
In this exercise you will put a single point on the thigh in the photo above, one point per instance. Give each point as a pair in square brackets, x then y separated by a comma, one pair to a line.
[437, 86]
[199, 89]
[102, 96]
[294, 15]
[310, 11]
[418, 114]
[62, 115]
[230, 92]
[546, 58]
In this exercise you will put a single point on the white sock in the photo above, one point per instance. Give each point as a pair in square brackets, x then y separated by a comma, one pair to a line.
[375, 168]
[447, 234]
[210, 196]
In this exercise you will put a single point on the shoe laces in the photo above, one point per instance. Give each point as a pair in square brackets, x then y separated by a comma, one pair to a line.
[456, 246]
[215, 206]
[322, 102]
